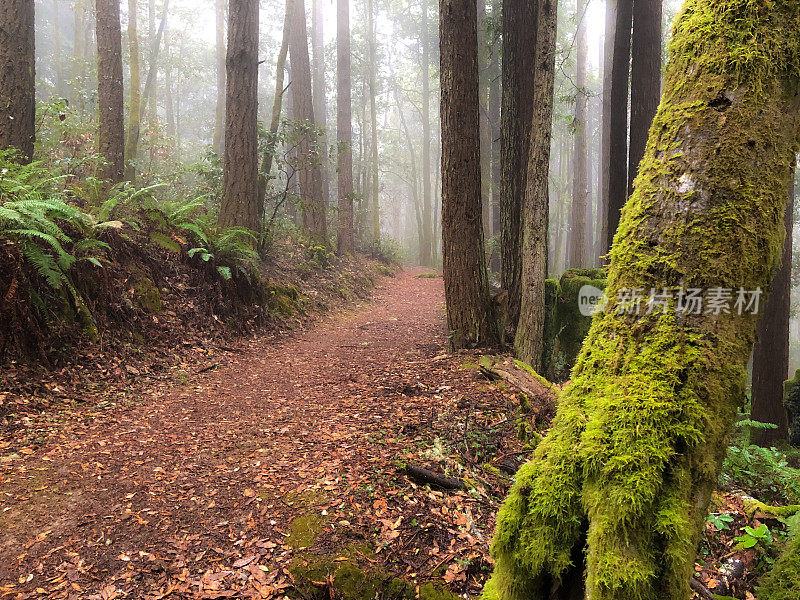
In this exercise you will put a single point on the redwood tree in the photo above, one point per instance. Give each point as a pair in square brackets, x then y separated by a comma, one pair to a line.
[17, 68]
[771, 352]
[580, 180]
[617, 494]
[110, 100]
[344, 128]
[240, 165]
[529, 340]
[619, 19]
[470, 318]
[519, 24]
[219, 114]
[645, 79]
[308, 167]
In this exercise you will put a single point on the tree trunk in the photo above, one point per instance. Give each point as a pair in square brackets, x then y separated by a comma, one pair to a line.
[470, 318]
[219, 125]
[619, 80]
[426, 250]
[58, 59]
[495, 135]
[485, 130]
[320, 91]
[240, 165]
[580, 180]
[373, 92]
[110, 100]
[152, 97]
[17, 71]
[277, 104]
[310, 175]
[519, 43]
[771, 352]
[645, 79]
[168, 97]
[529, 341]
[620, 488]
[344, 129]
[135, 104]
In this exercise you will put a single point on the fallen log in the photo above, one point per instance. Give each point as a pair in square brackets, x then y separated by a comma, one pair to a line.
[526, 383]
[424, 476]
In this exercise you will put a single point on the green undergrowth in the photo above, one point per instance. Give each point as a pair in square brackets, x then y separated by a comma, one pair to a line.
[783, 581]
[347, 579]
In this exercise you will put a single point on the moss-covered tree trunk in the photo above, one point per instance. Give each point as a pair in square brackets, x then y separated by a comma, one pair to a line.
[110, 92]
[616, 495]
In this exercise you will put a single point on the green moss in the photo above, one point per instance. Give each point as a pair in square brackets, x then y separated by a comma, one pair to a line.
[384, 270]
[753, 506]
[305, 530]
[146, 294]
[565, 327]
[783, 581]
[427, 276]
[791, 400]
[617, 494]
[353, 582]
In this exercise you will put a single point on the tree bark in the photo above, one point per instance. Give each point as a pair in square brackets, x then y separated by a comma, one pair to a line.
[152, 97]
[320, 90]
[110, 100]
[529, 340]
[620, 488]
[519, 64]
[168, 95]
[495, 134]
[580, 180]
[373, 92]
[219, 124]
[310, 175]
[486, 142]
[771, 352]
[344, 129]
[135, 103]
[426, 250]
[645, 79]
[240, 165]
[277, 104]
[615, 115]
[470, 318]
[17, 74]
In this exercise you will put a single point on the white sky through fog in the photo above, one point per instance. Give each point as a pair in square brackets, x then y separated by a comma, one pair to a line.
[271, 17]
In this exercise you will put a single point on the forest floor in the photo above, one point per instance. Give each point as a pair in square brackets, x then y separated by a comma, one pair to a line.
[224, 482]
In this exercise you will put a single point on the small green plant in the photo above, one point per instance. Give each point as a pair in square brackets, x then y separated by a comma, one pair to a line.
[752, 537]
[721, 521]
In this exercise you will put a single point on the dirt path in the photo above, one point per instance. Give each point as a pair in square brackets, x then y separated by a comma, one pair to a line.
[209, 488]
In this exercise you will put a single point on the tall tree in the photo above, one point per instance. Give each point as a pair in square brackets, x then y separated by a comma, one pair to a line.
[645, 78]
[168, 93]
[17, 70]
[617, 495]
[470, 318]
[373, 92]
[320, 89]
[152, 97]
[771, 352]
[277, 103]
[310, 174]
[529, 340]
[519, 39]
[426, 250]
[135, 104]
[110, 94]
[240, 165]
[219, 124]
[580, 182]
[619, 19]
[58, 59]
[486, 142]
[495, 134]
[344, 129]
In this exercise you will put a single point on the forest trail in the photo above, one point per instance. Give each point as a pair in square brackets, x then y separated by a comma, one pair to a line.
[223, 471]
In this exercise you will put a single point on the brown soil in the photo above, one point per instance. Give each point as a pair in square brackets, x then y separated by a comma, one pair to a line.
[211, 486]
